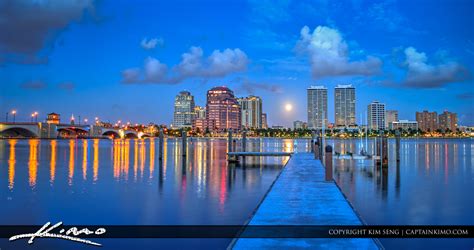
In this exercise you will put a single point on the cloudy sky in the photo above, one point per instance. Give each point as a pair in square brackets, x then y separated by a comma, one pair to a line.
[128, 59]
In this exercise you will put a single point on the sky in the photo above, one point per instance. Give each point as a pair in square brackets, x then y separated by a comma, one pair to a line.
[126, 60]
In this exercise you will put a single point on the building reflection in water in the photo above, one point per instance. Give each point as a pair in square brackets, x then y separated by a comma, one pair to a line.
[72, 145]
[52, 162]
[95, 163]
[84, 159]
[152, 157]
[33, 162]
[11, 164]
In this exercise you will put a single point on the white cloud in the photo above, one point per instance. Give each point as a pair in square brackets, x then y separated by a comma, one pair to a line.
[329, 54]
[152, 43]
[421, 74]
[192, 65]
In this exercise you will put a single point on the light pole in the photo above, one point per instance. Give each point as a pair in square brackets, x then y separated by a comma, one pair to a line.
[36, 116]
[6, 117]
[14, 115]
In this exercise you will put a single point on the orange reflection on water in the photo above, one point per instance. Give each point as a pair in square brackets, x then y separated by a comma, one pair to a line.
[125, 158]
[52, 162]
[142, 157]
[72, 144]
[11, 165]
[135, 159]
[96, 159]
[84, 159]
[116, 166]
[33, 162]
[152, 157]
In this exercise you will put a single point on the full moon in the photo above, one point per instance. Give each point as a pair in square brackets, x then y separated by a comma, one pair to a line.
[288, 107]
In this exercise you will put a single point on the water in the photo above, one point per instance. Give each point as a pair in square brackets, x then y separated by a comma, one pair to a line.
[431, 185]
[122, 182]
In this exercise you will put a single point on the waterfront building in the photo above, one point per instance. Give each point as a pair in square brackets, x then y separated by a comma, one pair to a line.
[344, 106]
[300, 125]
[183, 110]
[376, 115]
[251, 111]
[427, 121]
[222, 109]
[317, 107]
[279, 127]
[264, 121]
[390, 116]
[448, 120]
[404, 125]
[53, 118]
[199, 112]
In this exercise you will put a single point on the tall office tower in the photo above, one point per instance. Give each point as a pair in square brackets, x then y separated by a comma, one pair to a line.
[200, 112]
[222, 109]
[448, 120]
[183, 110]
[344, 106]
[376, 115]
[317, 107]
[390, 116]
[251, 109]
[427, 121]
[264, 121]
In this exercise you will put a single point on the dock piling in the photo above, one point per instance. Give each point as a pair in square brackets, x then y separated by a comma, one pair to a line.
[244, 141]
[328, 163]
[316, 150]
[397, 145]
[160, 147]
[229, 141]
[184, 143]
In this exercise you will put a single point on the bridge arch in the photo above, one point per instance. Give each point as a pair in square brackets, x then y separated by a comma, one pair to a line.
[18, 132]
[131, 135]
[112, 134]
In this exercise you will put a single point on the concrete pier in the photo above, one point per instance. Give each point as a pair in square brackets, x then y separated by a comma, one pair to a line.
[301, 196]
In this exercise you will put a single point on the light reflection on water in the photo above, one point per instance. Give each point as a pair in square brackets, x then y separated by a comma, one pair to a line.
[125, 182]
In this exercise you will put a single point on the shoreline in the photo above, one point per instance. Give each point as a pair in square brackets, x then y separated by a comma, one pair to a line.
[225, 137]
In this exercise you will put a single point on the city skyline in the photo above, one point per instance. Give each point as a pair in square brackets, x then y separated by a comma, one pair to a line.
[82, 63]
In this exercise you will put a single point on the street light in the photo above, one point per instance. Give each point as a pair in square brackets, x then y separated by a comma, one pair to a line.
[14, 115]
[36, 116]
[86, 120]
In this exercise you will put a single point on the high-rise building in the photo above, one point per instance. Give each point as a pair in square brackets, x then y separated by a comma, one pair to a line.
[183, 110]
[448, 120]
[264, 121]
[427, 121]
[344, 106]
[376, 115]
[200, 112]
[390, 116]
[251, 110]
[317, 107]
[222, 109]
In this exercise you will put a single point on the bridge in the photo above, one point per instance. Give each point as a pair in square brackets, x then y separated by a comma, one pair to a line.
[50, 130]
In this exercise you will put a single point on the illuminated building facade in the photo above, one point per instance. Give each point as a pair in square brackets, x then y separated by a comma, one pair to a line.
[223, 109]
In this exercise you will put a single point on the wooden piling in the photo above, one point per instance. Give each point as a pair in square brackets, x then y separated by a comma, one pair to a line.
[161, 141]
[244, 141]
[184, 143]
[328, 163]
[397, 145]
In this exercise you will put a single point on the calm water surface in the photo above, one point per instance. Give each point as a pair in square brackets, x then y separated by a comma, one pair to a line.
[124, 182]
[433, 184]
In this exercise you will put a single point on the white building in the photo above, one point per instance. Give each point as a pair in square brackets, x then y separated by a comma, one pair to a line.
[404, 124]
[317, 107]
[251, 111]
[376, 115]
[344, 106]
[183, 110]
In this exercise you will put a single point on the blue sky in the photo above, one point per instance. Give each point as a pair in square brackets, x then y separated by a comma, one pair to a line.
[128, 59]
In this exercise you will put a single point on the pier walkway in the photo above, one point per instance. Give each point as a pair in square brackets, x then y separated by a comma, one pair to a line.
[300, 196]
